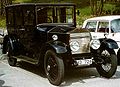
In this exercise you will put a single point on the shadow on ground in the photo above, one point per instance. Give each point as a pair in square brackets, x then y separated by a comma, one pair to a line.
[2, 82]
[31, 68]
[71, 76]
[79, 75]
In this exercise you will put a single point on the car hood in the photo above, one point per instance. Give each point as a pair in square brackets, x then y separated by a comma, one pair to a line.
[79, 30]
[56, 28]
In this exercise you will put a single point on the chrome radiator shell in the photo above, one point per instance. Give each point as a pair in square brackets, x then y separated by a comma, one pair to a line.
[84, 42]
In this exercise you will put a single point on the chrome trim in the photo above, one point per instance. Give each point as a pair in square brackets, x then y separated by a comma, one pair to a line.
[84, 42]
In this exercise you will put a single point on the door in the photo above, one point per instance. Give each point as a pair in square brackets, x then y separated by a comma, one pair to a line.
[97, 28]
[25, 30]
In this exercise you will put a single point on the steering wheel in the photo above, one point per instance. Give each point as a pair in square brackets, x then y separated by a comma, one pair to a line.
[49, 20]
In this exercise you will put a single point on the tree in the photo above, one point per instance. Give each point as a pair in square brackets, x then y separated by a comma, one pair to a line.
[97, 7]
[3, 3]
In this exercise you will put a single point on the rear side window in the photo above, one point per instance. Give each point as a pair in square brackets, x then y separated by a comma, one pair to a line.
[18, 16]
[28, 14]
[10, 19]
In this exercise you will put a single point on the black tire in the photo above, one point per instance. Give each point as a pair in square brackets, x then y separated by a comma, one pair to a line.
[12, 61]
[118, 56]
[109, 65]
[54, 68]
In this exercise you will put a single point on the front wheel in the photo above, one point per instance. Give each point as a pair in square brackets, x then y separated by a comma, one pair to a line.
[54, 67]
[109, 63]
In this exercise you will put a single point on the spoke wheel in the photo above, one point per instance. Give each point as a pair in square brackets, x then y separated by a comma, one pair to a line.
[109, 65]
[54, 67]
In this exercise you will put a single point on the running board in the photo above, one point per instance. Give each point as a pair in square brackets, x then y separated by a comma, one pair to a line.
[26, 59]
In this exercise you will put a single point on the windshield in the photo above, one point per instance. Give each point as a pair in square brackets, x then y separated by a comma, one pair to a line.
[115, 25]
[55, 14]
[91, 26]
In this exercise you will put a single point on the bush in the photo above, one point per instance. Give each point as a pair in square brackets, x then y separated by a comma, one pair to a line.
[84, 14]
[2, 22]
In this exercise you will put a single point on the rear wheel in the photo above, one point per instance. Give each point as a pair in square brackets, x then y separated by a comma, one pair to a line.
[109, 63]
[54, 67]
[12, 61]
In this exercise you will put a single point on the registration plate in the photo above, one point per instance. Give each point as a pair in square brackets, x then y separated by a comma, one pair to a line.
[84, 62]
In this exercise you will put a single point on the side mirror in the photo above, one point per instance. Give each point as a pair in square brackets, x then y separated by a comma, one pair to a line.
[78, 12]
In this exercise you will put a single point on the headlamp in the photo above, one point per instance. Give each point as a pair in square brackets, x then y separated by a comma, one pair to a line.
[55, 37]
[95, 44]
[74, 45]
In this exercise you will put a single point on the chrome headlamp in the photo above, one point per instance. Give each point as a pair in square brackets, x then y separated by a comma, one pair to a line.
[95, 44]
[74, 45]
[55, 37]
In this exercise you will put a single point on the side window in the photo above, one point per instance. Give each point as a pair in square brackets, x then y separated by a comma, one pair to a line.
[41, 15]
[69, 15]
[29, 15]
[55, 14]
[49, 14]
[62, 13]
[10, 19]
[91, 26]
[18, 16]
[103, 27]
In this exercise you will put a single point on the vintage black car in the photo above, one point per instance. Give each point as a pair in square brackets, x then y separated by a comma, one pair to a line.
[46, 35]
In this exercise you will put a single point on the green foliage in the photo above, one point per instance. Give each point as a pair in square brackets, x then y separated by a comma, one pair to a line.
[110, 7]
[84, 14]
[2, 22]
[82, 18]
[21, 1]
[85, 10]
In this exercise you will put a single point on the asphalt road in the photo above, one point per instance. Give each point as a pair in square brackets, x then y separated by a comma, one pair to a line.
[27, 75]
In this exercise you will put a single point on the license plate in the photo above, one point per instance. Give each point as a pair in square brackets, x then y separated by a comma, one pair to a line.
[84, 62]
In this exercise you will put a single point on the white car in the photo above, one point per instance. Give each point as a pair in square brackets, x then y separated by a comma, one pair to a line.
[102, 26]
[3, 32]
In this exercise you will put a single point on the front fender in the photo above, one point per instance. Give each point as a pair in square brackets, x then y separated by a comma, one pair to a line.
[109, 43]
[12, 42]
[58, 46]
[5, 42]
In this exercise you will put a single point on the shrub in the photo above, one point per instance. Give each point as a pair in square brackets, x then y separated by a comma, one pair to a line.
[2, 22]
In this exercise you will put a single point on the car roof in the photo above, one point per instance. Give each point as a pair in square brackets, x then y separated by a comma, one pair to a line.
[104, 18]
